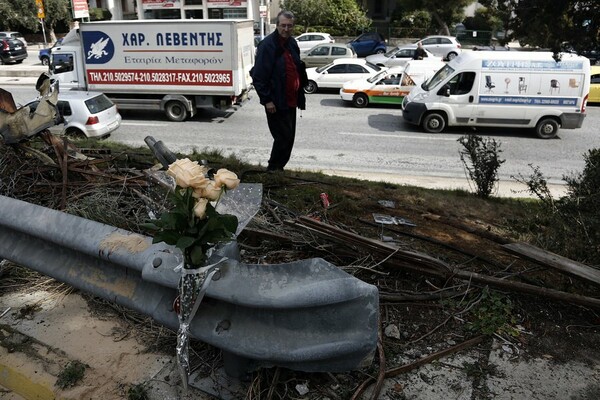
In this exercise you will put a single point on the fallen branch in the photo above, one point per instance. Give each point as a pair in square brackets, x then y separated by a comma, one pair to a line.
[559, 263]
[469, 228]
[425, 264]
[425, 360]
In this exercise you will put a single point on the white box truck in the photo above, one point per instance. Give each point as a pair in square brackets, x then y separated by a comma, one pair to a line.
[503, 89]
[175, 66]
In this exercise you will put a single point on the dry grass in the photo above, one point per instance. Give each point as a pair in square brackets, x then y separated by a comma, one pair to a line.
[426, 320]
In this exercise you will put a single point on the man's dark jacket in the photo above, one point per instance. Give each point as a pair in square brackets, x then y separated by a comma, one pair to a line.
[268, 74]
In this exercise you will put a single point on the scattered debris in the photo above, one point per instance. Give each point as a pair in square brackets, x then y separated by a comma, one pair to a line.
[392, 331]
[302, 389]
[387, 203]
[389, 220]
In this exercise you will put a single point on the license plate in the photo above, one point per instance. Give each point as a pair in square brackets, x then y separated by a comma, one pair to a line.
[17, 47]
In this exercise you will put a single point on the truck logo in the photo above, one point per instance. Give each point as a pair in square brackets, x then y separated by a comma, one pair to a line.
[98, 47]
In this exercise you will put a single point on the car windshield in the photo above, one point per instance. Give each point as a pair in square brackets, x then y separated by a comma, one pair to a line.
[323, 68]
[373, 66]
[439, 76]
[391, 52]
[377, 77]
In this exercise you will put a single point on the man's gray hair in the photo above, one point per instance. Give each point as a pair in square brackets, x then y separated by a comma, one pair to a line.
[287, 14]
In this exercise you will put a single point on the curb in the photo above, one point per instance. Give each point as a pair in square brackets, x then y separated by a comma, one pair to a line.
[33, 71]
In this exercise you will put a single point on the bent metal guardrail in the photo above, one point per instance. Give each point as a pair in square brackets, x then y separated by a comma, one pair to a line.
[306, 315]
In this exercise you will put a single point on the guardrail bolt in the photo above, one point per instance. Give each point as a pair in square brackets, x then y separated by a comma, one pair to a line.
[223, 326]
[217, 275]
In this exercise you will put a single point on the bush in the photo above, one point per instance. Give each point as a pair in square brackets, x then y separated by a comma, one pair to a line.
[483, 162]
[569, 226]
[100, 14]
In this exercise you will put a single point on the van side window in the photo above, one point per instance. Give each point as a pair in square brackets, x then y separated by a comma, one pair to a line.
[595, 78]
[462, 83]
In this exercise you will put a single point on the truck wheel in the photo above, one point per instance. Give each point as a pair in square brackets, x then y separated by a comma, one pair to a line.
[451, 56]
[311, 87]
[547, 128]
[176, 111]
[433, 123]
[360, 100]
[45, 61]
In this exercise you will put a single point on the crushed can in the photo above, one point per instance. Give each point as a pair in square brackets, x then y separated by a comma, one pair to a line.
[324, 200]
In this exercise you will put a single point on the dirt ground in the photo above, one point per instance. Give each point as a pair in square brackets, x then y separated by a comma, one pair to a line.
[421, 314]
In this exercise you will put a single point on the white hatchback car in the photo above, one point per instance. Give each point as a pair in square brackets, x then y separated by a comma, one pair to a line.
[307, 41]
[323, 54]
[398, 56]
[341, 70]
[89, 114]
[446, 47]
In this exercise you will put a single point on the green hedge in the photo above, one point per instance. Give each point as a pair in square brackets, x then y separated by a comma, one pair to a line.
[100, 14]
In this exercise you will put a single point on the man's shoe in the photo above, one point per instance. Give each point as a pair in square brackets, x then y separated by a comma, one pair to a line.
[272, 170]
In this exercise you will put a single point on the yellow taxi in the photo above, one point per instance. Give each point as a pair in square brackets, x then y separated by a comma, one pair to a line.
[595, 85]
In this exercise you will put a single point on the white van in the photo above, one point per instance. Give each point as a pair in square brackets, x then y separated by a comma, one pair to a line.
[503, 89]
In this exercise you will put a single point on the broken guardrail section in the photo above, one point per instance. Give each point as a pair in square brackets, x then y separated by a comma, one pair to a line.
[306, 315]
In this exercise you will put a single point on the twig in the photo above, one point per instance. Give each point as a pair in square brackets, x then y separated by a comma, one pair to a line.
[418, 297]
[431, 331]
[5, 312]
[273, 383]
[381, 375]
[425, 360]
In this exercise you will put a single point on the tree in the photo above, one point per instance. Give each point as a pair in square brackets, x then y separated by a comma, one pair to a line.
[485, 19]
[309, 12]
[348, 16]
[344, 15]
[22, 15]
[557, 24]
[413, 24]
[18, 15]
[57, 12]
[443, 12]
[502, 11]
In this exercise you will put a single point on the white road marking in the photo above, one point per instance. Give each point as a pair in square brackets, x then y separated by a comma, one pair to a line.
[433, 137]
[141, 124]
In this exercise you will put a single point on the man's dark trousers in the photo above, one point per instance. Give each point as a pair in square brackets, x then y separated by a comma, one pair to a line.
[282, 125]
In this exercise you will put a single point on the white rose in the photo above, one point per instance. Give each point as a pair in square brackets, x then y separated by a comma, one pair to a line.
[212, 192]
[188, 173]
[200, 208]
[226, 178]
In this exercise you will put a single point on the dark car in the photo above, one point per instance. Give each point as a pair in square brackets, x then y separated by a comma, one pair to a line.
[44, 54]
[369, 43]
[12, 51]
[593, 55]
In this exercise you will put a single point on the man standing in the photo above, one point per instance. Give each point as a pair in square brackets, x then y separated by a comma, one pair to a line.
[279, 78]
[420, 52]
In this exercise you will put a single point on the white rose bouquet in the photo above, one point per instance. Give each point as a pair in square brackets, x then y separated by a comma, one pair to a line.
[193, 225]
